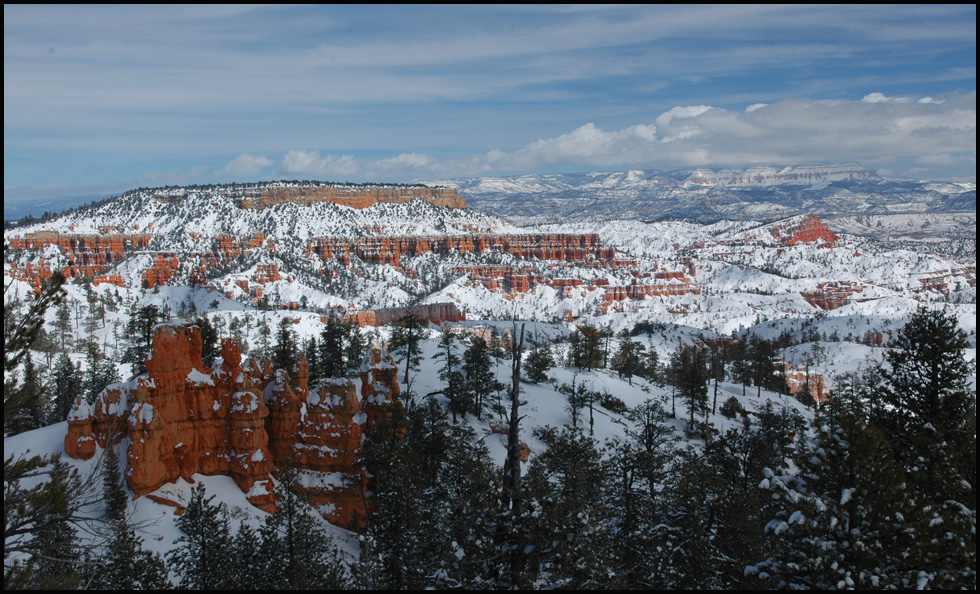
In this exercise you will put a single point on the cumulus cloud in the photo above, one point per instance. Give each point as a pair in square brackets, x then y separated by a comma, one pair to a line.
[310, 163]
[875, 130]
[789, 131]
[881, 98]
[244, 166]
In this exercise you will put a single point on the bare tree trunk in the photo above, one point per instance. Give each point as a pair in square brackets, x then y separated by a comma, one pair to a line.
[512, 466]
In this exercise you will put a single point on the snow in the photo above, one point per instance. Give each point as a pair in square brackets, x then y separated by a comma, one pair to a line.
[196, 377]
[749, 285]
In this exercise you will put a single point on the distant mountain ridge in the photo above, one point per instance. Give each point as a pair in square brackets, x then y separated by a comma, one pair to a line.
[756, 193]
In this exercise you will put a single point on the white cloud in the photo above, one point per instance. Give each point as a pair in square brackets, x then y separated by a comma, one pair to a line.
[244, 166]
[792, 131]
[881, 98]
[310, 163]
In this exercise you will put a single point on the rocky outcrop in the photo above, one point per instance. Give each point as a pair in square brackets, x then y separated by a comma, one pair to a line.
[805, 229]
[433, 313]
[832, 295]
[89, 255]
[347, 195]
[565, 247]
[241, 420]
[78, 245]
[163, 270]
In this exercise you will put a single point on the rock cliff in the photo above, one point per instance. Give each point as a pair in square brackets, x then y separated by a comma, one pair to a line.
[241, 419]
[352, 196]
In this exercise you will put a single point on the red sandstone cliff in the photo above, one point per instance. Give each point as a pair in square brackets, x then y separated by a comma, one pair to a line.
[239, 420]
[352, 196]
[806, 229]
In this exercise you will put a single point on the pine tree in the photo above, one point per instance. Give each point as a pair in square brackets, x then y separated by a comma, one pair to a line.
[539, 361]
[762, 365]
[691, 376]
[124, 564]
[200, 555]
[451, 374]
[847, 517]
[66, 385]
[32, 397]
[295, 552]
[140, 331]
[406, 337]
[210, 348]
[340, 350]
[568, 532]
[480, 380]
[927, 410]
[285, 351]
[99, 373]
[637, 467]
[626, 361]
[586, 347]
[38, 536]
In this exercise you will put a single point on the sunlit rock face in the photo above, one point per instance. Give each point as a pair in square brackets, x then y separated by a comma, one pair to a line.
[243, 419]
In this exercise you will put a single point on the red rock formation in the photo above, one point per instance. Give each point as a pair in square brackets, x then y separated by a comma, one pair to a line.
[77, 246]
[241, 421]
[266, 273]
[806, 229]
[434, 313]
[351, 196]
[163, 270]
[582, 248]
[799, 380]
[832, 295]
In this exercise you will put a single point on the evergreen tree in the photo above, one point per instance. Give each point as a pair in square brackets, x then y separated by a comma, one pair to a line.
[406, 337]
[926, 408]
[649, 368]
[32, 397]
[539, 361]
[124, 564]
[210, 347]
[311, 351]
[99, 373]
[355, 349]
[139, 329]
[201, 553]
[762, 365]
[480, 380]
[586, 347]
[285, 351]
[56, 554]
[295, 553]
[847, 516]
[691, 376]
[340, 350]
[39, 549]
[638, 467]
[568, 530]
[66, 384]
[451, 373]
[247, 569]
[435, 506]
[626, 361]
[715, 518]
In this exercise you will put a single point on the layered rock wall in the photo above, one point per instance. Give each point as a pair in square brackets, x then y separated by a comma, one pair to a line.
[182, 418]
[352, 196]
[577, 248]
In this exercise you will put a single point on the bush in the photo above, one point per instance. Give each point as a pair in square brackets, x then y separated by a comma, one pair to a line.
[612, 403]
[731, 408]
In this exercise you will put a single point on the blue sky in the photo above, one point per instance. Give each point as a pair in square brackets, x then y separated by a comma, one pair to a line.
[101, 99]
